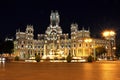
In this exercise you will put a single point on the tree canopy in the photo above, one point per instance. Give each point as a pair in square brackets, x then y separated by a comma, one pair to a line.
[118, 50]
[100, 50]
[8, 47]
[1, 46]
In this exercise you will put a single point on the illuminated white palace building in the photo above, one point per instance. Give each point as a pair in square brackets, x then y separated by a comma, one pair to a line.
[54, 43]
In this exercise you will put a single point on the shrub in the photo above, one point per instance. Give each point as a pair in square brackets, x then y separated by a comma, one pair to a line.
[69, 58]
[55, 58]
[63, 58]
[37, 58]
[90, 59]
[47, 59]
[16, 58]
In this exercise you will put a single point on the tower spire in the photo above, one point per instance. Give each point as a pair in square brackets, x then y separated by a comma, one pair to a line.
[88, 28]
[54, 18]
[83, 28]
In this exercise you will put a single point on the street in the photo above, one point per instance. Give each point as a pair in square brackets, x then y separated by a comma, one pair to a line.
[59, 71]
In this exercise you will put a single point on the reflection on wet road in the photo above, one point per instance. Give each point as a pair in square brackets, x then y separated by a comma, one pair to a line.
[59, 71]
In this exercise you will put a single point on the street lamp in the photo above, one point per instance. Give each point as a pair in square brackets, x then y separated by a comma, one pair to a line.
[110, 36]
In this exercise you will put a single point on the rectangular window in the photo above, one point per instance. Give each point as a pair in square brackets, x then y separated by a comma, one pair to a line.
[79, 45]
[74, 45]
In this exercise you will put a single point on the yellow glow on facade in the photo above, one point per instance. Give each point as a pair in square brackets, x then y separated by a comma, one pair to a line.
[88, 40]
[55, 43]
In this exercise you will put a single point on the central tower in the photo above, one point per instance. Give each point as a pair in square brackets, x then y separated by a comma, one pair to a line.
[53, 35]
[53, 29]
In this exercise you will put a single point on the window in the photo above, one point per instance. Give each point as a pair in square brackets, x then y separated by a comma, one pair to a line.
[22, 46]
[79, 45]
[74, 45]
[86, 45]
[69, 46]
[38, 46]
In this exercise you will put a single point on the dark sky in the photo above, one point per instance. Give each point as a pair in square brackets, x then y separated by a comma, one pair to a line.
[98, 15]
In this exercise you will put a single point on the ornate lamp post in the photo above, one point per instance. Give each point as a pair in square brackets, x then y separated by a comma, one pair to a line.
[110, 36]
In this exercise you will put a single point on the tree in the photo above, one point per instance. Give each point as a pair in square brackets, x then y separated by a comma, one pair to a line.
[37, 58]
[90, 59]
[16, 58]
[100, 51]
[8, 47]
[117, 50]
[1, 47]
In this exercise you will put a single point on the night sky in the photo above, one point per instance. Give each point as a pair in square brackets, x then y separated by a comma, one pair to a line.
[97, 15]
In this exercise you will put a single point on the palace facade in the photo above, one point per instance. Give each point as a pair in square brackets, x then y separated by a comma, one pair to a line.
[55, 43]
